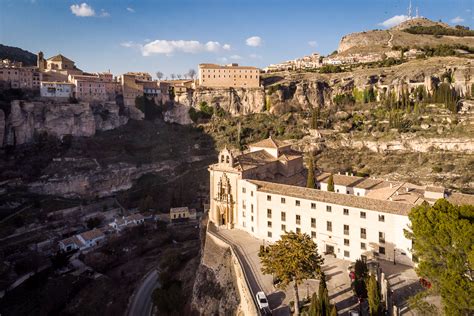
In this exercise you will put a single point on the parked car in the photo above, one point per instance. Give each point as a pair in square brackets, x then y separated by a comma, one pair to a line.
[262, 300]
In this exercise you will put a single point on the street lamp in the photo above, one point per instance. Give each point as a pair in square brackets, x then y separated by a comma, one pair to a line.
[394, 263]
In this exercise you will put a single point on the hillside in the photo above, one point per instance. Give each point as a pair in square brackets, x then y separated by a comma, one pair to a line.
[17, 54]
[378, 41]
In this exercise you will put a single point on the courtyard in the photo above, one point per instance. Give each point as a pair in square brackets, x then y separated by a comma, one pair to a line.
[402, 279]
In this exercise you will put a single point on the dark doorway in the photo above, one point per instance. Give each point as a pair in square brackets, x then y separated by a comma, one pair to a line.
[329, 249]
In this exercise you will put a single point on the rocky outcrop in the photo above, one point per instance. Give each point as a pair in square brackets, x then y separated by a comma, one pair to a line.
[178, 113]
[215, 289]
[96, 182]
[29, 119]
[236, 101]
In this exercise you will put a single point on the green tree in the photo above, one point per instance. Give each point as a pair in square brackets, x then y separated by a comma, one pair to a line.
[146, 204]
[360, 269]
[314, 307]
[320, 304]
[293, 258]
[331, 183]
[310, 183]
[373, 296]
[443, 239]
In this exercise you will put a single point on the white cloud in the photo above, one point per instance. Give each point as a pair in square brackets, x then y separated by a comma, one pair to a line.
[128, 44]
[457, 19]
[132, 10]
[255, 56]
[104, 14]
[169, 47]
[222, 59]
[82, 10]
[254, 41]
[235, 57]
[313, 43]
[394, 20]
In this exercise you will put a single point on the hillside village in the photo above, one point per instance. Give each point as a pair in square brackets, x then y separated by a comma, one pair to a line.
[111, 180]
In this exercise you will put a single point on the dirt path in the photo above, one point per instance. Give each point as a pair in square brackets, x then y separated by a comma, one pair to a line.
[389, 43]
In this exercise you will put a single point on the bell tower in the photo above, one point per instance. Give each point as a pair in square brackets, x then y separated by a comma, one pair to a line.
[40, 61]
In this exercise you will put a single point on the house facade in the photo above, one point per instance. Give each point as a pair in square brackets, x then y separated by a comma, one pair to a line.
[262, 191]
[228, 76]
[56, 89]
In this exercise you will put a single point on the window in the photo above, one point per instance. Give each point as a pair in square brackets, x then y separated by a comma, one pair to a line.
[381, 237]
[244, 206]
[269, 234]
[346, 229]
[269, 197]
[283, 216]
[363, 246]
[346, 242]
[243, 190]
[345, 211]
[313, 234]
[381, 218]
[251, 193]
[298, 219]
[347, 254]
[269, 213]
[329, 226]
[363, 233]
[283, 227]
[363, 215]
[313, 222]
[243, 214]
[382, 250]
[298, 230]
[313, 206]
[328, 208]
[251, 208]
[269, 224]
[283, 201]
[297, 203]
[251, 218]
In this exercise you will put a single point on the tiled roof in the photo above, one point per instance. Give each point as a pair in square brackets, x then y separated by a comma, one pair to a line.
[136, 216]
[179, 209]
[215, 66]
[72, 240]
[461, 199]
[60, 58]
[254, 159]
[92, 234]
[269, 143]
[435, 189]
[392, 207]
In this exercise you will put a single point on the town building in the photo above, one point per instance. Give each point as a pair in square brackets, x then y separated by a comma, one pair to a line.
[262, 191]
[126, 221]
[228, 76]
[14, 76]
[306, 62]
[56, 89]
[93, 87]
[82, 241]
[177, 213]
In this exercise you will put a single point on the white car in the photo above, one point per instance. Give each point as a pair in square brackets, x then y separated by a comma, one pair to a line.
[262, 300]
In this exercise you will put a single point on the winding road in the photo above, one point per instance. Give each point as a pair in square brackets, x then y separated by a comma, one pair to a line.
[141, 304]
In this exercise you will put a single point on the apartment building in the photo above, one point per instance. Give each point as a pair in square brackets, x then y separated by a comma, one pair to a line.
[14, 76]
[50, 89]
[262, 192]
[92, 87]
[228, 76]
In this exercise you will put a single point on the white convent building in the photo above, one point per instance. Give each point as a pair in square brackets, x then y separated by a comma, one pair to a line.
[262, 192]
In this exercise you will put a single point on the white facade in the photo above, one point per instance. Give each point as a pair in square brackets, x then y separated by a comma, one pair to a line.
[353, 232]
[56, 89]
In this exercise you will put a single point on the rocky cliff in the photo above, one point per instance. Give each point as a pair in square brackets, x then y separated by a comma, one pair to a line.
[30, 119]
[302, 91]
[236, 101]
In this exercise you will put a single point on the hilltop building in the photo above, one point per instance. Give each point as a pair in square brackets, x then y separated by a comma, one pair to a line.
[262, 192]
[228, 76]
[51, 89]
[14, 76]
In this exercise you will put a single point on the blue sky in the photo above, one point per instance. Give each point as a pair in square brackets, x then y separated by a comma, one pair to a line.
[173, 36]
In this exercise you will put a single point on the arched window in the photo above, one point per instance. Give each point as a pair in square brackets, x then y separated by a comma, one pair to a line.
[222, 158]
[226, 159]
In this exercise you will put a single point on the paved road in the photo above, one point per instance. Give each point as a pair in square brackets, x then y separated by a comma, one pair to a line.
[141, 304]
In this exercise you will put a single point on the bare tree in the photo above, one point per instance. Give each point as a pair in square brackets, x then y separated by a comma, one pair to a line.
[179, 76]
[173, 76]
[159, 75]
[192, 73]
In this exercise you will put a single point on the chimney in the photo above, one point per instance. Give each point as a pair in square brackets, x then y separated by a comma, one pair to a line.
[396, 193]
[390, 198]
[407, 189]
[347, 173]
[391, 185]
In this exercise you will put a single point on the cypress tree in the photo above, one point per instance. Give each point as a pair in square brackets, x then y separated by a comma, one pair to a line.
[331, 183]
[314, 307]
[333, 311]
[373, 294]
[310, 183]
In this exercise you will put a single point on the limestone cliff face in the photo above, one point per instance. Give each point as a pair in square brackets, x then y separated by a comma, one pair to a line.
[28, 119]
[306, 91]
